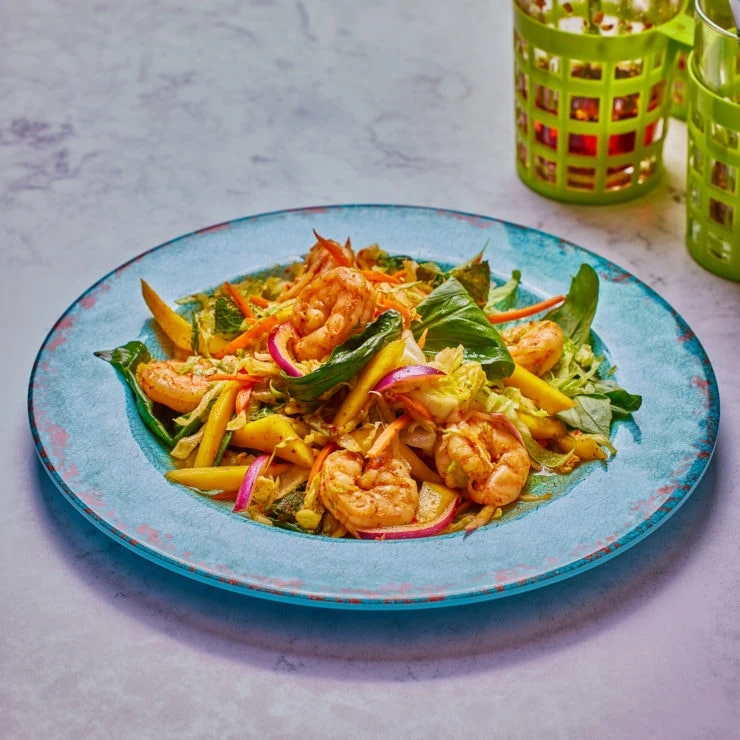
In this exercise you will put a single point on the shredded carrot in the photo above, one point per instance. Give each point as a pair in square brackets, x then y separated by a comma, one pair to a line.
[411, 404]
[241, 302]
[399, 274]
[242, 399]
[480, 519]
[318, 463]
[251, 335]
[387, 435]
[375, 276]
[520, 313]
[258, 300]
[423, 338]
[334, 249]
[386, 301]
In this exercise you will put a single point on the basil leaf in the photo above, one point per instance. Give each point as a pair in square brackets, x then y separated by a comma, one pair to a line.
[502, 296]
[622, 403]
[452, 318]
[575, 315]
[592, 414]
[475, 277]
[125, 359]
[227, 317]
[347, 359]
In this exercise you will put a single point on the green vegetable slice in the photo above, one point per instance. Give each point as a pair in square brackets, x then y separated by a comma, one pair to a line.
[575, 315]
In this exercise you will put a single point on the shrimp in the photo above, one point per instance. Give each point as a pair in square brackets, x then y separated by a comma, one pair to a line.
[536, 346]
[330, 310]
[484, 456]
[380, 493]
[162, 381]
[325, 255]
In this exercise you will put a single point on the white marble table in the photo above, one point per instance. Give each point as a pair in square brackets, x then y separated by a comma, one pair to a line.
[125, 124]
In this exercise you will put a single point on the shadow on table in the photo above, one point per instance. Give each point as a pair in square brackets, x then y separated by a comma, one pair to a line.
[416, 644]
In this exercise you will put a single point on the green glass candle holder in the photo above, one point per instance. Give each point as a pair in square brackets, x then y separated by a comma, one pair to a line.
[592, 108]
[680, 102]
[713, 178]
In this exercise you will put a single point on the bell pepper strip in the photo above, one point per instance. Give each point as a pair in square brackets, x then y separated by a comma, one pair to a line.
[544, 395]
[215, 426]
[176, 327]
[318, 463]
[274, 433]
[241, 302]
[521, 313]
[384, 361]
[258, 300]
[386, 436]
[242, 399]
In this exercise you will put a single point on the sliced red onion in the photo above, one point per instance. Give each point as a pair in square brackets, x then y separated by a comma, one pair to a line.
[406, 374]
[277, 344]
[409, 531]
[504, 421]
[245, 490]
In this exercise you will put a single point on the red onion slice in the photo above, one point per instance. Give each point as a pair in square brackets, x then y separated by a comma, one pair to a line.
[503, 420]
[409, 531]
[245, 490]
[277, 345]
[407, 374]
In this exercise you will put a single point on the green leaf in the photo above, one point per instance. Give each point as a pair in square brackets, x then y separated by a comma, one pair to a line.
[575, 315]
[501, 297]
[475, 277]
[622, 403]
[592, 414]
[347, 359]
[125, 359]
[227, 317]
[452, 318]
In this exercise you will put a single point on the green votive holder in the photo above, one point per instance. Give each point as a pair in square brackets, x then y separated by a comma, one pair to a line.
[592, 108]
[680, 102]
[713, 179]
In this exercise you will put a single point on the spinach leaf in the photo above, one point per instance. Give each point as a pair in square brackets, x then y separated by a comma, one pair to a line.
[347, 359]
[125, 359]
[622, 403]
[575, 315]
[452, 318]
[592, 414]
[227, 317]
[475, 277]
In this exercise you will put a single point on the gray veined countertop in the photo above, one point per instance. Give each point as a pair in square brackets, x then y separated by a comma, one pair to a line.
[123, 125]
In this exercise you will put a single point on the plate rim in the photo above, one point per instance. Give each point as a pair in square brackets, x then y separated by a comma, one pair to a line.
[582, 564]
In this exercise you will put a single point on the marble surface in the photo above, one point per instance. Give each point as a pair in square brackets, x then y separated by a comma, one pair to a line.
[123, 125]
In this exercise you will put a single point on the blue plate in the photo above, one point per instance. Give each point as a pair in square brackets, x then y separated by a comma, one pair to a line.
[109, 467]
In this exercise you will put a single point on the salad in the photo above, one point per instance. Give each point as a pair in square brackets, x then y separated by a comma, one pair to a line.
[364, 394]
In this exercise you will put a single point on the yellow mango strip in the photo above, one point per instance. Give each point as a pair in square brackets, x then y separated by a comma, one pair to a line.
[221, 478]
[587, 448]
[543, 427]
[176, 327]
[544, 395]
[385, 360]
[274, 434]
[419, 469]
[215, 426]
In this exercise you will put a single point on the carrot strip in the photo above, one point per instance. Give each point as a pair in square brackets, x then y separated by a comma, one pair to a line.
[318, 463]
[334, 249]
[258, 300]
[375, 276]
[387, 435]
[251, 335]
[242, 400]
[411, 404]
[241, 302]
[520, 313]
[423, 338]
[387, 302]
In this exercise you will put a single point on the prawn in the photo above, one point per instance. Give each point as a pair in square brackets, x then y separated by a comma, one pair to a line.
[164, 382]
[485, 456]
[536, 346]
[364, 494]
[330, 310]
[325, 255]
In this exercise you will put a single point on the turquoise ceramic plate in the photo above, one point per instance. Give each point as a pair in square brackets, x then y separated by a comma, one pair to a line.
[103, 461]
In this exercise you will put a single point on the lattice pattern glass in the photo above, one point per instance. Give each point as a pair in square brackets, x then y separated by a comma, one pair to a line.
[593, 95]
